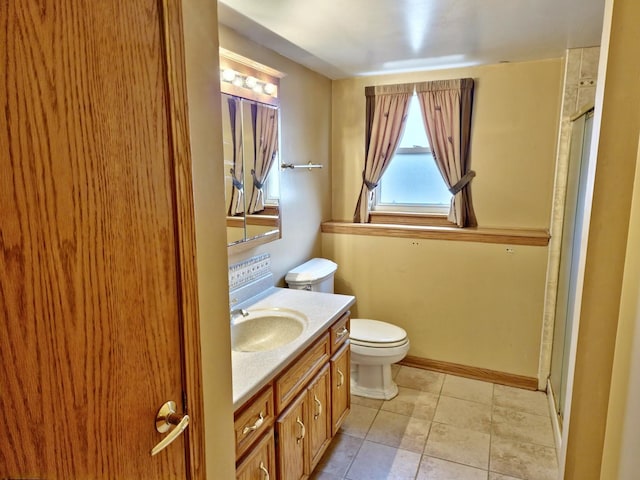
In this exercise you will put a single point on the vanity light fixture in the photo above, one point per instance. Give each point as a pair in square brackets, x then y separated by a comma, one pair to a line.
[249, 82]
[243, 77]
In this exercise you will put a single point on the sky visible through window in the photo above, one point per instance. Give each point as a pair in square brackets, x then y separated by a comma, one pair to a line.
[413, 178]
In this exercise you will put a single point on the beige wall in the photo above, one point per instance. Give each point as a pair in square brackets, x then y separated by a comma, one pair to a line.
[606, 323]
[305, 106]
[620, 456]
[468, 303]
[201, 49]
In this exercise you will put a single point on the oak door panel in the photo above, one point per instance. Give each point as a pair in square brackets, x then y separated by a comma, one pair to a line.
[90, 328]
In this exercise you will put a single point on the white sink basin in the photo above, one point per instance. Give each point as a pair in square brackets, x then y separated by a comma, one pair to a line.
[266, 329]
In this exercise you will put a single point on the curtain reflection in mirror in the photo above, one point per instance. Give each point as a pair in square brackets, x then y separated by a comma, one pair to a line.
[264, 122]
[236, 203]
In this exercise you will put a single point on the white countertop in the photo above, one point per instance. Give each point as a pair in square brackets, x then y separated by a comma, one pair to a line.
[252, 370]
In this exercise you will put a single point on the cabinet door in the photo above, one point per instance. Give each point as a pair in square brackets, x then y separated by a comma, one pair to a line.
[292, 440]
[261, 462]
[319, 419]
[340, 387]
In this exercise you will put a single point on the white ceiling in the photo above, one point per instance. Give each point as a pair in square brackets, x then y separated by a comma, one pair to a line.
[347, 38]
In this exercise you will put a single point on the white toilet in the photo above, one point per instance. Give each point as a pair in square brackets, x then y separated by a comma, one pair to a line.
[375, 345]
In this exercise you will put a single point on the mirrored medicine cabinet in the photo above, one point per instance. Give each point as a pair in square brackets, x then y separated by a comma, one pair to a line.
[250, 135]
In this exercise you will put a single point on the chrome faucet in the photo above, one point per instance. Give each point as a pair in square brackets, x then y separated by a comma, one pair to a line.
[238, 312]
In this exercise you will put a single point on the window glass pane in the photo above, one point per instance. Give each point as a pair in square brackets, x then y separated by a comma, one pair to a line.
[414, 179]
[414, 134]
[272, 183]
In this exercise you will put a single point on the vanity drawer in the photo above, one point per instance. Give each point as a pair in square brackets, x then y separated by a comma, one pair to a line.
[302, 369]
[339, 332]
[253, 419]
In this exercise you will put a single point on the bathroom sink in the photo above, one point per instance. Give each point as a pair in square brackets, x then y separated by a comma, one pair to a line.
[261, 330]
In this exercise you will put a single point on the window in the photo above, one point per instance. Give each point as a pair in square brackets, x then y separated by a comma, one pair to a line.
[272, 183]
[412, 182]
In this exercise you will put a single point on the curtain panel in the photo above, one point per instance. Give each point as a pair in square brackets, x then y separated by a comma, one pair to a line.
[386, 116]
[236, 202]
[264, 122]
[446, 107]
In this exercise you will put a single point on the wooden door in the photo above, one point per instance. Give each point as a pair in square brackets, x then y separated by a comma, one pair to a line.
[319, 419]
[340, 387]
[293, 440]
[97, 292]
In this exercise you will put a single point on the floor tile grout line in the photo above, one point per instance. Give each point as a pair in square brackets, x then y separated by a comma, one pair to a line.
[440, 392]
[364, 439]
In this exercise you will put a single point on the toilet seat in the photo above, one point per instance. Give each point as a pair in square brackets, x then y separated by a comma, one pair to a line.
[376, 334]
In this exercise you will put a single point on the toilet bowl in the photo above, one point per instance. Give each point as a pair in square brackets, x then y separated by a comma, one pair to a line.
[375, 345]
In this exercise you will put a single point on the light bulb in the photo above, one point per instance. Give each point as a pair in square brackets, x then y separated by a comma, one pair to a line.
[238, 81]
[228, 75]
[269, 88]
[250, 82]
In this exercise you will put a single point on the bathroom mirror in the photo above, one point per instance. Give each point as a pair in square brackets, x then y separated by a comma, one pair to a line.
[250, 132]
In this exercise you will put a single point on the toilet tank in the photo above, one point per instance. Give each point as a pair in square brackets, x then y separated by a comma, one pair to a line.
[315, 275]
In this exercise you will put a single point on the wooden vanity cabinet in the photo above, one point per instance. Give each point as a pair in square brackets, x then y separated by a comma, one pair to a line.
[340, 387]
[308, 402]
[340, 372]
[260, 464]
[253, 420]
[291, 430]
[319, 416]
[304, 429]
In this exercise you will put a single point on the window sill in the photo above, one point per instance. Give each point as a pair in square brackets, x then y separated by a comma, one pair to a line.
[506, 236]
[408, 218]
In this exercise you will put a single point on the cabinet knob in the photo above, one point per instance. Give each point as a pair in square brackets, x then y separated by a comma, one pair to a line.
[341, 381]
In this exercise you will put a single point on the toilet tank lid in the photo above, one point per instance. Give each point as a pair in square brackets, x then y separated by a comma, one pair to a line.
[375, 331]
[311, 271]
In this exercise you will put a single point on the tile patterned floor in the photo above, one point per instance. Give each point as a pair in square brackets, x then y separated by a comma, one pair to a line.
[443, 427]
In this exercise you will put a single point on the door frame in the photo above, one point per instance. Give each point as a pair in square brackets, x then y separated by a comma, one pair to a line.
[179, 140]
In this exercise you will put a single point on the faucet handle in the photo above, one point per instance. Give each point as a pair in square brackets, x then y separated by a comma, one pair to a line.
[239, 311]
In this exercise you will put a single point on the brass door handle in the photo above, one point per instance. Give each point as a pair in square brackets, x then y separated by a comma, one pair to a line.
[258, 423]
[166, 417]
[303, 430]
[264, 470]
[319, 410]
[341, 382]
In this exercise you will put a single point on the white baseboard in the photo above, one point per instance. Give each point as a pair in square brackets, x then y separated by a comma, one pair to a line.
[555, 421]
